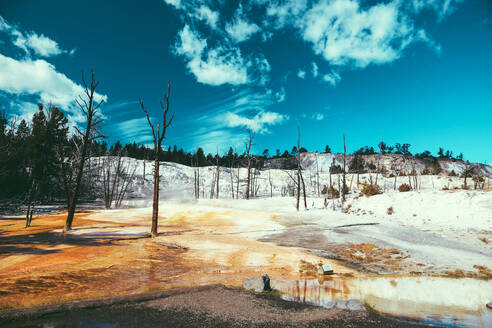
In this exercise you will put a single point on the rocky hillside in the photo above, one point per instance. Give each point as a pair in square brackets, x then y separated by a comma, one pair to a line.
[178, 181]
[389, 163]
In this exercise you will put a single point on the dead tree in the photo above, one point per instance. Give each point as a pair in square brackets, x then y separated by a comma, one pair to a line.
[300, 179]
[90, 109]
[116, 179]
[249, 143]
[218, 175]
[232, 177]
[317, 174]
[344, 185]
[237, 182]
[271, 182]
[157, 137]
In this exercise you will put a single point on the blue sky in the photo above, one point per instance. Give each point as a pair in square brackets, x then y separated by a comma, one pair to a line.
[414, 71]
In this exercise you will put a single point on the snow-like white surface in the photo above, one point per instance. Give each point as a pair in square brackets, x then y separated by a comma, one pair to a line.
[440, 228]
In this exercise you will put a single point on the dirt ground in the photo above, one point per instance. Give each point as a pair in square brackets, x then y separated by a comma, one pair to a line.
[212, 307]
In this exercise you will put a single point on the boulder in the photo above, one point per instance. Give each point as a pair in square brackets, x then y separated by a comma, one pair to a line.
[258, 284]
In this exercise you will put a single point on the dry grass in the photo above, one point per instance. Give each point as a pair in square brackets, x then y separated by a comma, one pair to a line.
[484, 240]
[372, 254]
[404, 187]
[371, 190]
[483, 273]
[308, 268]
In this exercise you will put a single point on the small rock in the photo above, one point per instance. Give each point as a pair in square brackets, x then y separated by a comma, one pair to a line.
[489, 305]
[325, 269]
[258, 284]
[353, 305]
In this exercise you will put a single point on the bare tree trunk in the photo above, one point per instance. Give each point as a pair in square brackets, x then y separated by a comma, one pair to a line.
[158, 136]
[271, 182]
[155, 199]
[317, 175]
[344, 185]
[237, 183]
[212, 186]
[303, 190]
[298, 190]
[248, 149]
[232, 182]
[92, 132]
[217, 184]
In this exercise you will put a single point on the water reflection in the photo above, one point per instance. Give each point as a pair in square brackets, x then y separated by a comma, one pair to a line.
[444, 301]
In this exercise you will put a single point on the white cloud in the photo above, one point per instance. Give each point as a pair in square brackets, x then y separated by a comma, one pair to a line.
[442, 8]
[352, 33]
[263, 67]
[174, 3]
[40, 78]
[239, 29]
[221, 65]
[315, 70]
[318, 116]
[189, 43]
[280, 95]
[286, 12]
[208, 15]
[223, 121]
[39, 44]
[258, 123]
[332, 78]
[301, 74]
[136, 129]
[343, 33]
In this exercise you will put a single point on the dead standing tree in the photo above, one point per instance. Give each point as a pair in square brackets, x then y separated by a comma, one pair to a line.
[158, 136]
[90, 109]
[344, 185]
[249, 143]
[300, 179]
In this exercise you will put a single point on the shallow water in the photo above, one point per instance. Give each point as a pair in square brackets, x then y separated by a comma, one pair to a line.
[442, 301]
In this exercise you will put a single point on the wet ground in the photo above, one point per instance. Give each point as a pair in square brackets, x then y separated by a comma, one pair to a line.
[109, 253]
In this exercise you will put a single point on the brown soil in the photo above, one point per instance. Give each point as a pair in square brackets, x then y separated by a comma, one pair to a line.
[211, 307]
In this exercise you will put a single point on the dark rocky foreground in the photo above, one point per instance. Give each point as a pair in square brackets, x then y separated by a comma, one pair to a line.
[214, 306]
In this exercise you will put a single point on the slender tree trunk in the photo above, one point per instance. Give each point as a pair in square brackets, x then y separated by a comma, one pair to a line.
[237, 183]
[303, 190]
[298, 189]
[78, 179]
[218, 177]
[232, 182]
[249, 178]
[155, 200]
[344, 185]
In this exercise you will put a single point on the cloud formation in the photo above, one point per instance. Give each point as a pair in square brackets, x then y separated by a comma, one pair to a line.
[345, 33]
[239, 28]
[332, 78]
[40, 79]
[215, 66]
[31, 42]
[258, 123]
